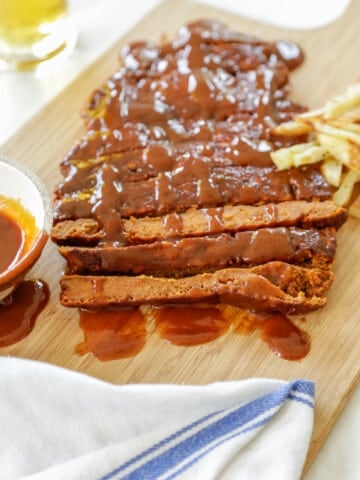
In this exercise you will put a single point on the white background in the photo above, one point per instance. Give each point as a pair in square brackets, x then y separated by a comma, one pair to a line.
[100, 23]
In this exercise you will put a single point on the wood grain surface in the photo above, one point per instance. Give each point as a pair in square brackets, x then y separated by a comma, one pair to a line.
[333, 362]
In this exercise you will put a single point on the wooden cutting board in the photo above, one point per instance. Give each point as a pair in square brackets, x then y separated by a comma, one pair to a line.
[333, 362]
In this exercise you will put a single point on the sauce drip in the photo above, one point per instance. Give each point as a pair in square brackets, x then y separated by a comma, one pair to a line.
[189, 326]
[277, 331]
[115, 334]
[284, 338]
[19, 311]
[112, 334]
[11, 241]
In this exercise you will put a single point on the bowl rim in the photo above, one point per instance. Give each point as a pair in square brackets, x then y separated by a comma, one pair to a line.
[28, 260]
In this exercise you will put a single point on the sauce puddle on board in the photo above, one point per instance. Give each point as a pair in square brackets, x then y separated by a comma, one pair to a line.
[112, 334]
[115, 334]
[18, 311]
[188, 326]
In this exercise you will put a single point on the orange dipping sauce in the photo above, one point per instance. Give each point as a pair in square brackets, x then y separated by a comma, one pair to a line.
[21, 242]
[11, 241]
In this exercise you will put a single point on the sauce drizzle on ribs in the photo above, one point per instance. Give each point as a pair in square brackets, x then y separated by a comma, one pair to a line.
[172, 197]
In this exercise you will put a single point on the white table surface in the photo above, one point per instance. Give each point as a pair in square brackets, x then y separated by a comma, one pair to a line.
[23, 94]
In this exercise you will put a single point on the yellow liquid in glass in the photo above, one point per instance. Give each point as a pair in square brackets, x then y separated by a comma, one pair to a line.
[24, 22]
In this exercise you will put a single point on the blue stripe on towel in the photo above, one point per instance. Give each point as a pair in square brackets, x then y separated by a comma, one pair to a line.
[210, 434]
[259, 424]
[301, 400]
[304, 386]
[160, 444]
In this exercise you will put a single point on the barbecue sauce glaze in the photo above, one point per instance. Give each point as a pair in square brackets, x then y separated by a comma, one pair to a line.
[188, 123]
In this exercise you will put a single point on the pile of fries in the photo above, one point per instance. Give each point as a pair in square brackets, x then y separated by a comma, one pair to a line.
[334, 132]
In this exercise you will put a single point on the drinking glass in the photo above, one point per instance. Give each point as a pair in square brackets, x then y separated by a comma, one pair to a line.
[33, 31]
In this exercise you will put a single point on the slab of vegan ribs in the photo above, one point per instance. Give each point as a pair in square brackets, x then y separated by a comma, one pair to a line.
[171, 195]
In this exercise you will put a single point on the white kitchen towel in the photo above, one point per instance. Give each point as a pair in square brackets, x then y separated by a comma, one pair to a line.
[56, 424]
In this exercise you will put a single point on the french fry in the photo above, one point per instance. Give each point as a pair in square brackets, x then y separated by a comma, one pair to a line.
[352, 115]
[311, 115]
[344, 151]
[354, 209]
[284, 157]
[343, 194]
[332, 171]
[337, 132]
[337, 106]
[293, 128]
[346, 125]
[313, 154]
